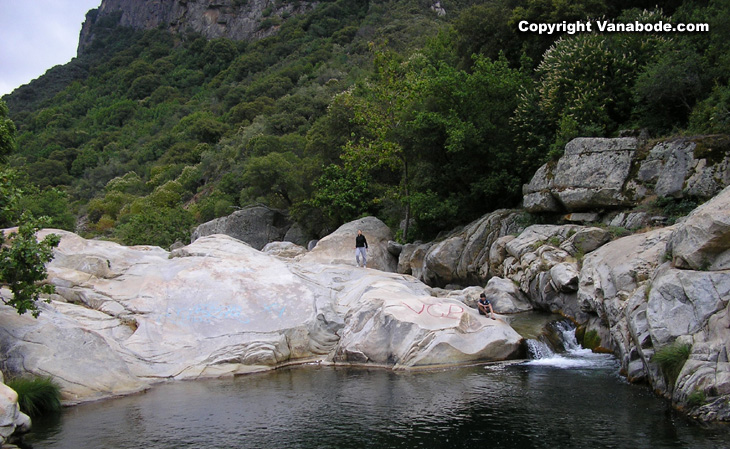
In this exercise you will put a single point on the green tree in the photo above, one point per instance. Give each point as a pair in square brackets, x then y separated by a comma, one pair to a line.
[52, 203]
[584, 87]
[342, 195]
[22, 264]
[273, 178]
[379, 107]
[22, 257]
[7, 133]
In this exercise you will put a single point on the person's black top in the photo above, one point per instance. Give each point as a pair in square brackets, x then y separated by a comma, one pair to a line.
[360, 241]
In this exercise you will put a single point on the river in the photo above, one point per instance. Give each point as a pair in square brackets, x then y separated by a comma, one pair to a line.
[568, 399]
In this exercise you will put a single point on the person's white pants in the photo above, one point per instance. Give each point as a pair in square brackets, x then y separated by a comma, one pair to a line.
[362, 251]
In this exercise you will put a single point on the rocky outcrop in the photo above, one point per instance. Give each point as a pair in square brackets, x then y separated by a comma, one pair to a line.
[232, 19]
[646, 302]
[124, 318]
[590, 175]
[543, 261]
[506, 297]
[682, 167]
[634, 295]
[463, 256]
[255, 225]
[597, 175]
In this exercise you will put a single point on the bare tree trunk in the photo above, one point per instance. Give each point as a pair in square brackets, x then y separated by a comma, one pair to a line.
[408, 201]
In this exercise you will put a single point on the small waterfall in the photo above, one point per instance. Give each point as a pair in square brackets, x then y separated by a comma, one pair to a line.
[559, 347]
[565, 331]
[539, 349]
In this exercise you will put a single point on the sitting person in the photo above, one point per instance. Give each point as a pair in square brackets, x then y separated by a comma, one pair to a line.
[485, 306]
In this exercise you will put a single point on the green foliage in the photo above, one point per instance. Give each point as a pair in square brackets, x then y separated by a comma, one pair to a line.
[37, 396]
[697, 399]
[22, 257]
[352, 108]
[671, 359]
[7, 132]
[554, 241]
[587, 86]
[591, 339]
[51, 203]
[153, 225]
[272, 178]
[676, 208]
[343, 195]
[712, 115]
[22, 264]
[668, 88]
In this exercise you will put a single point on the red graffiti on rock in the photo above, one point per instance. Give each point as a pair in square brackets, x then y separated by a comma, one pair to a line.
[450, 311]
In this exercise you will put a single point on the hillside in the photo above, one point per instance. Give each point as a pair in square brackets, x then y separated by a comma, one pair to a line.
[333, 110]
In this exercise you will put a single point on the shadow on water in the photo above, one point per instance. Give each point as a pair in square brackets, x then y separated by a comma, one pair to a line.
[573, 399]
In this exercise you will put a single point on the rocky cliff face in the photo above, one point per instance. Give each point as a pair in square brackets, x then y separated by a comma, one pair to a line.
[602, 175]
[233, 19]
[634, 296]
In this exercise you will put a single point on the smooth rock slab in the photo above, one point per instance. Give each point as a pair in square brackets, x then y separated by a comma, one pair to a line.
[135, 316]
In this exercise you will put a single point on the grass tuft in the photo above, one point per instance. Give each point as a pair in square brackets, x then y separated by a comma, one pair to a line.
[36, 395]
[671, 359]
[697, 399]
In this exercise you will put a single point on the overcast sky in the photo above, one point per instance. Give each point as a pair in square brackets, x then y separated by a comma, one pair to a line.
[36, 35]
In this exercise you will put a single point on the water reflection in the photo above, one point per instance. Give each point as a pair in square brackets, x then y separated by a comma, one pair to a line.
[511, 406]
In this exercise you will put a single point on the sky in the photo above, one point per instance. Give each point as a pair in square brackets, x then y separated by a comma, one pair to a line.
[36, 35]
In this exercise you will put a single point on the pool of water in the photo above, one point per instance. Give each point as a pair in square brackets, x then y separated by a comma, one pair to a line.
[577, 400]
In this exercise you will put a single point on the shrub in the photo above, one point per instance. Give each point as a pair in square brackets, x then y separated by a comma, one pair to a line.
[37, 395]
[671, 359]
[676, 208]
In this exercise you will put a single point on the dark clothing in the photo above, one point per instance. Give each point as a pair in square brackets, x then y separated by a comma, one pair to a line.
[484, 302]
[360, 242]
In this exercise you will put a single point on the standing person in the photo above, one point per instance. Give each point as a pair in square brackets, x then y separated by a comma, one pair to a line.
[361, 245]
[485, 305]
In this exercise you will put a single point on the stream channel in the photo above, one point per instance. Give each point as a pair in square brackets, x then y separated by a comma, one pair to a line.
[563, 397]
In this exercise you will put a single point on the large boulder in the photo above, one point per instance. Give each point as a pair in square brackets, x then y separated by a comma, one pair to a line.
[255, 225]
[702, 240]
[630, 288]
[690, 298]
[392, 326]
[287, 250]
[590, 175]
[506, 297]
[680, 167]
[339, 247]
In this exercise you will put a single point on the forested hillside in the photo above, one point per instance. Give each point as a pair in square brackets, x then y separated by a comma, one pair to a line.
[357, 108]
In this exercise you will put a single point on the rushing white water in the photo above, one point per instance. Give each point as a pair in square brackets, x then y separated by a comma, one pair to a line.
[574, 356]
